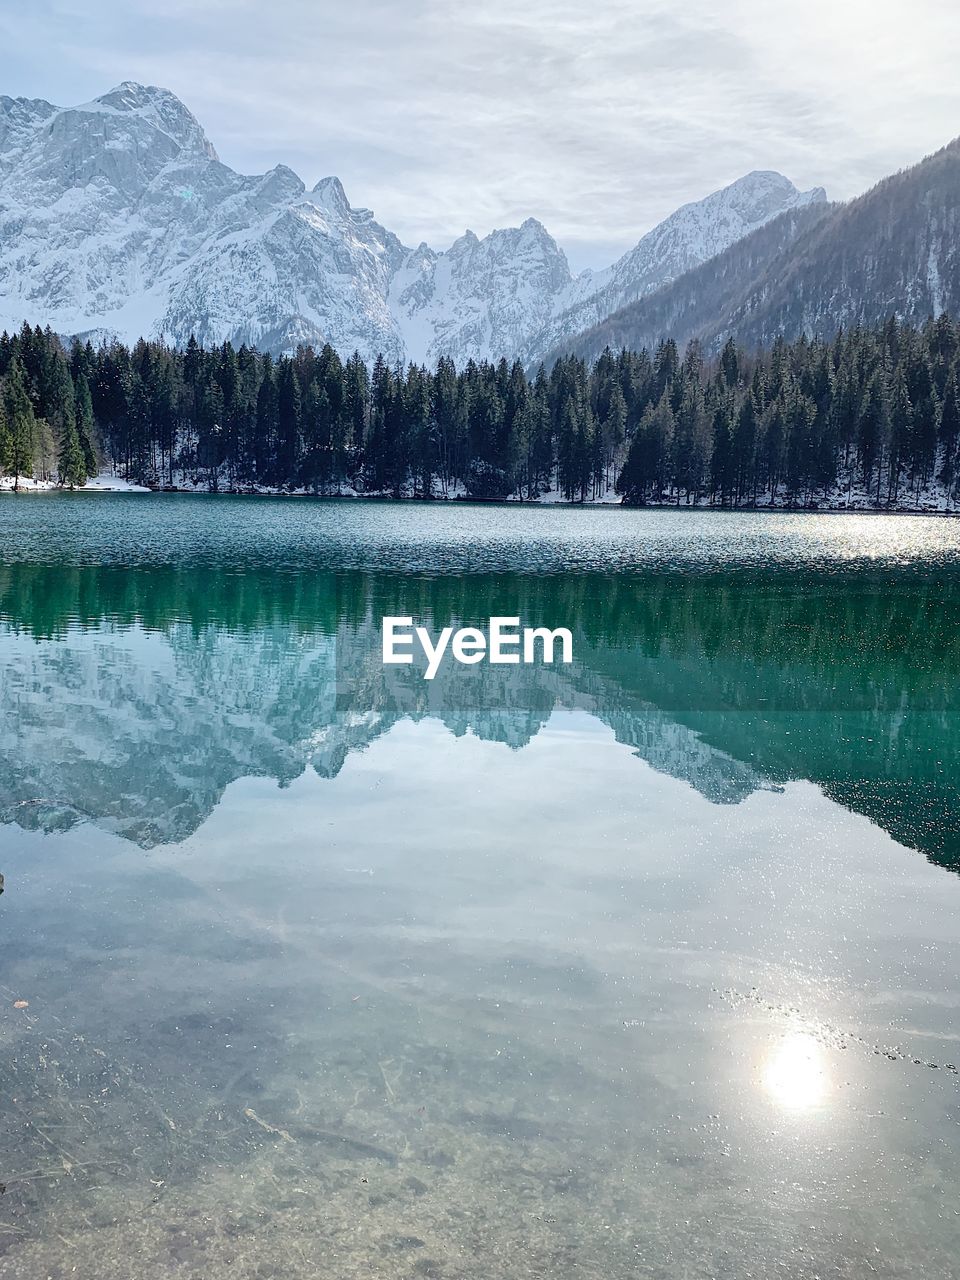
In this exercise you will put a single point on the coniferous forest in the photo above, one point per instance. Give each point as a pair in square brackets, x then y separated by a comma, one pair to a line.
[875, 410]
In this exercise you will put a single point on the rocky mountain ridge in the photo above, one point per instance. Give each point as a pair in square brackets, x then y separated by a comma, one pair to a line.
[117, 218]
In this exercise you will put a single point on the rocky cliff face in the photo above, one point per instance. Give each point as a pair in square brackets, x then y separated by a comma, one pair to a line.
[118, 218]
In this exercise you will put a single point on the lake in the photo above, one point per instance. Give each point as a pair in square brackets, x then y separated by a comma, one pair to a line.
[642, 966]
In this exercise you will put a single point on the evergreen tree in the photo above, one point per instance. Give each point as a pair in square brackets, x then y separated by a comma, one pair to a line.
[71, 465]
[289, 441]
[901, 430]
[86, 427]
[20, 424]
[950, 430]
[744, 447]
[722, 468]
[265, 467]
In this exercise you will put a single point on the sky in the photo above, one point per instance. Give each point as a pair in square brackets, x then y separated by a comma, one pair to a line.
[597, 118]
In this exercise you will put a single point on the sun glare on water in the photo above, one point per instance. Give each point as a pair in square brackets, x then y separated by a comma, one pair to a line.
[795, 1073]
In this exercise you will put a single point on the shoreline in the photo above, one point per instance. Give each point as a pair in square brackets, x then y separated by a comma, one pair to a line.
[123, 486]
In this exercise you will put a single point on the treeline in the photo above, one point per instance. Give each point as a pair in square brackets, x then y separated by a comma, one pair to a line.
[876, 408]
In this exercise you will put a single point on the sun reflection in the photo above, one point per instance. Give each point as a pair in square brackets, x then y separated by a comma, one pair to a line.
[795, 1074]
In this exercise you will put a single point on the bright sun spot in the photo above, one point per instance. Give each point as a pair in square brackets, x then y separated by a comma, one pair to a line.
[795, 1074]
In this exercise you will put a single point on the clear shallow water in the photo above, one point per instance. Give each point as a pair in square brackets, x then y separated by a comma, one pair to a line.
[643, 967]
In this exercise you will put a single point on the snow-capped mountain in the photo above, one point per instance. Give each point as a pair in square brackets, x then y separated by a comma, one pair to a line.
[117, 217]
[686, 239]
[481, 298]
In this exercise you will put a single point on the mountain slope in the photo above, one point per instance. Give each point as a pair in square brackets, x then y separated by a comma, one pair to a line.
[691, 236]
[117, 217]
[894, 250]
[696, 305]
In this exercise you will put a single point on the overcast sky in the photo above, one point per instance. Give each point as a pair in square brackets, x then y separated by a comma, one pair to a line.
[597, 118]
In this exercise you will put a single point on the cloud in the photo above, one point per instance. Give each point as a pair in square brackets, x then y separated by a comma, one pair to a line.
[598, 119]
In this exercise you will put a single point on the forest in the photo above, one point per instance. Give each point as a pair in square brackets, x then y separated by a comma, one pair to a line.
[875, 408]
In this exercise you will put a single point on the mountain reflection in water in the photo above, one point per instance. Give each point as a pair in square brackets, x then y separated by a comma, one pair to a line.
[162, 685]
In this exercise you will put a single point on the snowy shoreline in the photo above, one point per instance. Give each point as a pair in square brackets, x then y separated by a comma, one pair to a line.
[103, 483]
[933, 504]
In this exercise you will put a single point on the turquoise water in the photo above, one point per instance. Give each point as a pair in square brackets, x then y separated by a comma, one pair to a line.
[645, 966]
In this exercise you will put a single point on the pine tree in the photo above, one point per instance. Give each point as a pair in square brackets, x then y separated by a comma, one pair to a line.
[210, 434]
[289, 410]
[265, 463]
[71, 465]
[901, 430]
[86, 427]
[567, 470]
[614, 431]
[6, 439]
[773, 446]
[730, 364]
[448, 419]
[316, 468]
[722, 470]
[21, 424]
[950, 430]
[873, 430]
[644, 473]
[744, 446]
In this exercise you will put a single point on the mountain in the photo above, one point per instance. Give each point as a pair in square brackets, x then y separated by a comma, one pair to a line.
[118, 218]
[693, 235]
[696, 303]
[481, 298]
[894, 250]
[512, 293]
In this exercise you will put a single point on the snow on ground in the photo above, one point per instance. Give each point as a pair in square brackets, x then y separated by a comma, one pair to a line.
[28, 485]
[555, 495]
[847, 495]
[105, 482]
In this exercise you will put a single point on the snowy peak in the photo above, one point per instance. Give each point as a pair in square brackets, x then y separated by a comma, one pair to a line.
[482, 299]
[122, 141]
[330, 195]
[159, 109]
[704, 228]
[756, 197]
[280, 186]
[686, 239]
